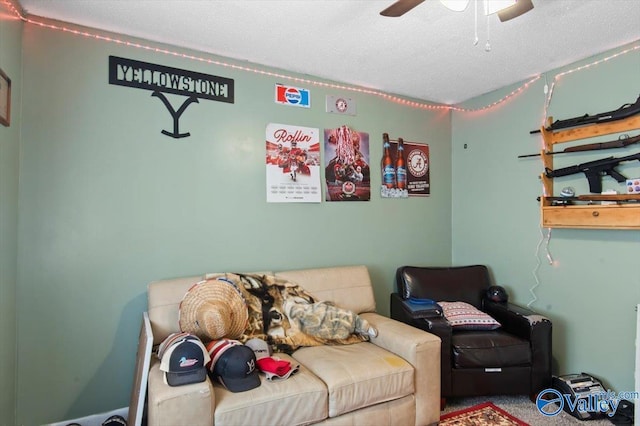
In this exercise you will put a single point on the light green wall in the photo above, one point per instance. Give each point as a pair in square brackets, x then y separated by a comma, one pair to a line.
[10, 63]
[108, 204]
[591, 290]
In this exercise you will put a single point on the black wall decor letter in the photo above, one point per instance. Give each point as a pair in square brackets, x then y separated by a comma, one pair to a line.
[162, 79]
[175, 114]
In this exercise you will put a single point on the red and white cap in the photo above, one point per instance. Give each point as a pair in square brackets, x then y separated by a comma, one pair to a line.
[233, 365]
[216, 348]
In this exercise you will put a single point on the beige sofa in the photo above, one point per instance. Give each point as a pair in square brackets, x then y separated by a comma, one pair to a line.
[392, 380]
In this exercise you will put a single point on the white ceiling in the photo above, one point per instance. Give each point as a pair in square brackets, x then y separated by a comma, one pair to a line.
[427, 54]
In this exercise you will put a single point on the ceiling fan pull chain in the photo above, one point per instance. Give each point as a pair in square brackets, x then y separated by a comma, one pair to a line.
[476, 39]
[487, 47]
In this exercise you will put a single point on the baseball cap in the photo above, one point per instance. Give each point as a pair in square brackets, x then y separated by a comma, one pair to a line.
[182, 359]
[216, 348]
[292, 369]
[273, 368]
[260, 348]
[233, 366]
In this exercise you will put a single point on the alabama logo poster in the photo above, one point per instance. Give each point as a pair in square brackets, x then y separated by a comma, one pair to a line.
[293, 164]
[347, 171]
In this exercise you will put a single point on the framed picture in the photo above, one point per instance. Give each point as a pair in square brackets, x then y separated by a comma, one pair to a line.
[5, 99]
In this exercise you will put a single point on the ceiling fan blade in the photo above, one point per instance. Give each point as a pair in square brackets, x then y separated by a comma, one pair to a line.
[521, 7]
[400, 7]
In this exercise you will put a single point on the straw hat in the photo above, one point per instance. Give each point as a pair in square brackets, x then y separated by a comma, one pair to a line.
[213, 309]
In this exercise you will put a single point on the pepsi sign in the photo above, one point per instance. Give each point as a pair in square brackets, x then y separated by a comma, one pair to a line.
[294, 96]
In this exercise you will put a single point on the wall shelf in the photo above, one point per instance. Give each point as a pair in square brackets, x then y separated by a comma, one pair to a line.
[591, 216]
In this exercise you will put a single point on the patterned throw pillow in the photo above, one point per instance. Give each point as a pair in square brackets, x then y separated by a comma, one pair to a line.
[463, 316]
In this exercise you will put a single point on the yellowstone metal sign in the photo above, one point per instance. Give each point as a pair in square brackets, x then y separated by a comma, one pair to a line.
[160, 79]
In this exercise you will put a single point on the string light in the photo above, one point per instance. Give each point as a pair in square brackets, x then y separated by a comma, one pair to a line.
[386, 96]
[535, 271]
[580, 68]
[501, 100]
[549, 94]
[543, 239]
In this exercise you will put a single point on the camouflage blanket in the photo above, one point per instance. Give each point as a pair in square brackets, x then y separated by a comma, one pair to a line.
[288, 317]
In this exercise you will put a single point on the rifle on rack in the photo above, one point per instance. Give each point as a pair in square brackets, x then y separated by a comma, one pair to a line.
[617, 198]
[621, 142]
[626, 110]
[593, 170]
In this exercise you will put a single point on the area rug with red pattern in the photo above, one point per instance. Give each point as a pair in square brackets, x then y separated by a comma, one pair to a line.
[485, 414]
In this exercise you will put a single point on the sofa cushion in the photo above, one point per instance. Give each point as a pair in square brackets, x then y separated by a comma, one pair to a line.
[299, 399]
[349, 287]
[358, 375]
[483, 349]
[164, 297]
[399, 412]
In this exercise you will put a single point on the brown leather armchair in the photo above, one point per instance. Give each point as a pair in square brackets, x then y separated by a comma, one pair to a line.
[514, 359]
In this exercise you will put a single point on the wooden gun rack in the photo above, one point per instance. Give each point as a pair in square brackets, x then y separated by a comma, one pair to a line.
[591, 216]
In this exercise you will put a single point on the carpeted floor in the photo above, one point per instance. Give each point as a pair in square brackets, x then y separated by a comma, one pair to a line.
[522, 408]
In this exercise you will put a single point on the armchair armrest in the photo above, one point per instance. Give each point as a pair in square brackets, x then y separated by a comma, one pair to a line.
[422, 351]
[530, 325]
[522, 322]
[401, 311]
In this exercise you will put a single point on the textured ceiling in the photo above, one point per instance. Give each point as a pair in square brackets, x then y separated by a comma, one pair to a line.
[428, 53]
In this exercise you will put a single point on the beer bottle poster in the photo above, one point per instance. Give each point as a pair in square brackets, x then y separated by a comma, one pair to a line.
[418, 164]
[293, 164]
[347, 171]
[405, 169]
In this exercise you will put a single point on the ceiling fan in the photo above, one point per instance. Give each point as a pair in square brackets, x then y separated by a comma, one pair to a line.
[400, 7]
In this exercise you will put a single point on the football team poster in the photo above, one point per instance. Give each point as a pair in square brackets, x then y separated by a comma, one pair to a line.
[418, 179]
[293, 164]
[347, 171]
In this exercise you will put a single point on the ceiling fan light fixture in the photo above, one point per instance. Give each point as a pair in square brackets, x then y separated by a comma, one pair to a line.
[506, 9]
[455, 5]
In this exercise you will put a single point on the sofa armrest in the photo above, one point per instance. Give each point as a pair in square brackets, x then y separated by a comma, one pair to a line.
[422, 350]
[173, 405]
[529, 325]
[437, 326]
